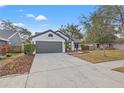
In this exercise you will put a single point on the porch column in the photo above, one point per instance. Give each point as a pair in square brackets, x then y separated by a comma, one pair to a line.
[72, 45]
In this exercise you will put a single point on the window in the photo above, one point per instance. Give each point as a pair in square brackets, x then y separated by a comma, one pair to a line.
[98, 46]
[1, 43]
[50, 35]
[76, 45]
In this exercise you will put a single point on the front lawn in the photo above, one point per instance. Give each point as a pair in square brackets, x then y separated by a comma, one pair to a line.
[119, 69]
[96, 56]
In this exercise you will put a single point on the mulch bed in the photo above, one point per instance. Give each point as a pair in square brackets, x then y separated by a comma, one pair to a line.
[19, 65]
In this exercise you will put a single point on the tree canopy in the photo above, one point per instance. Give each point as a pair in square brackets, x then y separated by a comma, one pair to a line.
[7, 25]
[72, 30]
[102, 24]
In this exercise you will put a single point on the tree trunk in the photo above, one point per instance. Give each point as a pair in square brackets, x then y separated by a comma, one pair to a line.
[104, 53]
[121, 18]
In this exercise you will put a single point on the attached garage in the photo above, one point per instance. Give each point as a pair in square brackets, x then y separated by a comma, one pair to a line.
[49, 42]
[48, 47]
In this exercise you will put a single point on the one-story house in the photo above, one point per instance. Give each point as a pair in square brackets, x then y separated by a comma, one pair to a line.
[117, 44]
[52, 42]
[96, 46]
[13, 37]
[3, 45]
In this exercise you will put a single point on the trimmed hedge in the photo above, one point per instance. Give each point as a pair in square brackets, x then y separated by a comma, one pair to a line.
[29, 48]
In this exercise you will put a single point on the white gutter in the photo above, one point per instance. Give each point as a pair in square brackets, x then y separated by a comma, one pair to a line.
[13, 35]
[1, 38]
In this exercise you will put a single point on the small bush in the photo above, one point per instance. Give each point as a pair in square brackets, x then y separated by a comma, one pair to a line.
[68, 46]
[82, 46]
[1, 57]
[8, 55]
[29, 48]
[15, 49]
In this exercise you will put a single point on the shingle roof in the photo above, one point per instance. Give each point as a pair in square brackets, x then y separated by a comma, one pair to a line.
[65, 35]
[72, 38]
[46, 32]
[6, 33]
[3, 39]
[76, 40]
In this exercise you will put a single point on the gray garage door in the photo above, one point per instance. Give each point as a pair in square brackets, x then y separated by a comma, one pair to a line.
[48, 47]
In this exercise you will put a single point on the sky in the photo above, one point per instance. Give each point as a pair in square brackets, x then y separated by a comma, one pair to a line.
[38, 18]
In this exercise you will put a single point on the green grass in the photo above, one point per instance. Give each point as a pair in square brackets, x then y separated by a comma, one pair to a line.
[96, 56]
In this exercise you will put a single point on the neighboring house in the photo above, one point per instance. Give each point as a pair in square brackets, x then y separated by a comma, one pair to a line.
[120, 35]
[3, 45]
[119, 46]
[119, 43]
[13, 37]
[96, 46]
[24, 37]
[52, 42]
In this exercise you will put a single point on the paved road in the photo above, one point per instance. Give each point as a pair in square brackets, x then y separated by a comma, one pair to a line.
[62, 71]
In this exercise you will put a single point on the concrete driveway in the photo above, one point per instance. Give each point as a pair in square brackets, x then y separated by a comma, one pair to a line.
[61, 70]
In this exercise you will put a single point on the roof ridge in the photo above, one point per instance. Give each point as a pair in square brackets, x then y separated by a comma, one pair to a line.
[65, 35]
[50, 30]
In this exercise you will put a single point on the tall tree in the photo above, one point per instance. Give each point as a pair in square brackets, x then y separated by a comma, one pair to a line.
[115, 14]
[72, 30]
[99, 28]
[7, 25]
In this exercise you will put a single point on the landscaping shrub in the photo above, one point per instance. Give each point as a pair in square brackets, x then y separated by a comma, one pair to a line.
[9, 55]
[0, 58]
[29, 48]
[15, 49]
[4, 48]
[68, 46]
[83, 47]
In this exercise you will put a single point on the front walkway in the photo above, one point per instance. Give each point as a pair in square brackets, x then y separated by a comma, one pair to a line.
[61, 70]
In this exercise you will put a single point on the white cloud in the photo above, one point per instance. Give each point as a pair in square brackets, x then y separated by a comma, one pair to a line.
[30, 15]
[20, 10]
[19, 24]
[2, 5]
[40, 18]
[37, 18]
[45, 25]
